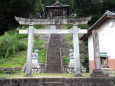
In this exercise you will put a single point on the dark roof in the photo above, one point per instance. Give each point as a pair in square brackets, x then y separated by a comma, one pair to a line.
[107, 15]
[57, 4]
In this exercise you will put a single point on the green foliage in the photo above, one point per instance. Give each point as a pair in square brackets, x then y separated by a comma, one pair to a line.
[37, 9]
[94, 8]
[68, 37]
[12, 62]
[84, 26]
[17, 59]
[72, 3]
[83, 48]
[69, 40]
[40, 26]
[9, 44]
[37, 43]
[8, 72]
[65, 59]
[84, 54]
[15, 74]
[42, 55]
[69, 26]
[20, 8]
[17, 44]
[20, 36]
[42, 51]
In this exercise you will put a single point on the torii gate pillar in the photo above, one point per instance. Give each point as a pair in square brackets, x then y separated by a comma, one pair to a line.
[76, 50]
[29, 50]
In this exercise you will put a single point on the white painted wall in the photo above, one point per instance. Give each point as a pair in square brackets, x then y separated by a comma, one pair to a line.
[90, 48]
[106, 34]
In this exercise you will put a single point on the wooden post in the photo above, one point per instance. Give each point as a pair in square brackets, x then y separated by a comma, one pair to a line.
[97, 62]
[76, 51]
[29, 50]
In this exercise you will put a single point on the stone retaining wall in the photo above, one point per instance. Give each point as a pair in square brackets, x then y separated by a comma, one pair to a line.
[58, 82]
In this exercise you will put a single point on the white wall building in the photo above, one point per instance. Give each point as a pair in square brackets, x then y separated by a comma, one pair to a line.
[105, 27]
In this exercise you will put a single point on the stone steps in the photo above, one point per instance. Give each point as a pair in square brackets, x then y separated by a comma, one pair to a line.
[53, 55]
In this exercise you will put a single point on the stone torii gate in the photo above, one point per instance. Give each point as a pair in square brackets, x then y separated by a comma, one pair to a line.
[31, 31]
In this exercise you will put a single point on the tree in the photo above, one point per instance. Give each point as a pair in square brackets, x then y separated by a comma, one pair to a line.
[94, 8]
[109, 5]
[35, 9]
[20, 8]
[84, 54]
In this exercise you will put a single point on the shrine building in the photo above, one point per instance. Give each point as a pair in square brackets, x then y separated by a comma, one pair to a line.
[57, 9]
[105, 28]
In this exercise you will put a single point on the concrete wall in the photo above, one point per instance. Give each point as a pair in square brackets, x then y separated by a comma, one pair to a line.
[106, 34]
[58, 82]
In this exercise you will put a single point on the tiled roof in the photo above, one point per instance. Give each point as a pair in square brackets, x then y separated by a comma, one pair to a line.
[58, 4]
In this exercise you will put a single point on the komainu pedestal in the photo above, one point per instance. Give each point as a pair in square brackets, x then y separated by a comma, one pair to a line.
[98, 73]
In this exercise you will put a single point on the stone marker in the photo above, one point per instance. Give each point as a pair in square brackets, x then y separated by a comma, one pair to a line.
[97, 72]
[35, 62]
[35, 56]
[71, 56]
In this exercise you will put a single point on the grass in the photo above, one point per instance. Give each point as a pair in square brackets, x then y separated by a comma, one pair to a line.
[84, 26]
[15, 74]
[69, 39]
[16, 60]
[42, 54]
[86, 74]
[68, 26]
[40, 26]
[19, 58]
[42, 51]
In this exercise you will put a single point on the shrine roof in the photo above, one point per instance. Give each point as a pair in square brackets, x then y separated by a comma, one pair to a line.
[107, 15]
[57, 4]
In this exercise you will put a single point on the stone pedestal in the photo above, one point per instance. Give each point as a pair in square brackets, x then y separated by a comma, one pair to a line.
[98, 73]
[108, 71]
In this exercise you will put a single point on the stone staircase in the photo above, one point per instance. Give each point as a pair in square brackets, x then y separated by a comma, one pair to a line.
[53, 59]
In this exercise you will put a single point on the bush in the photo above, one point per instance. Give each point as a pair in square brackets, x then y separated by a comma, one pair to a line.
[69, 26]
[42, 51]
[16, 32]
[65, 59]
[84, 26]
[9, 44]
[20, 36]
[69, 39]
